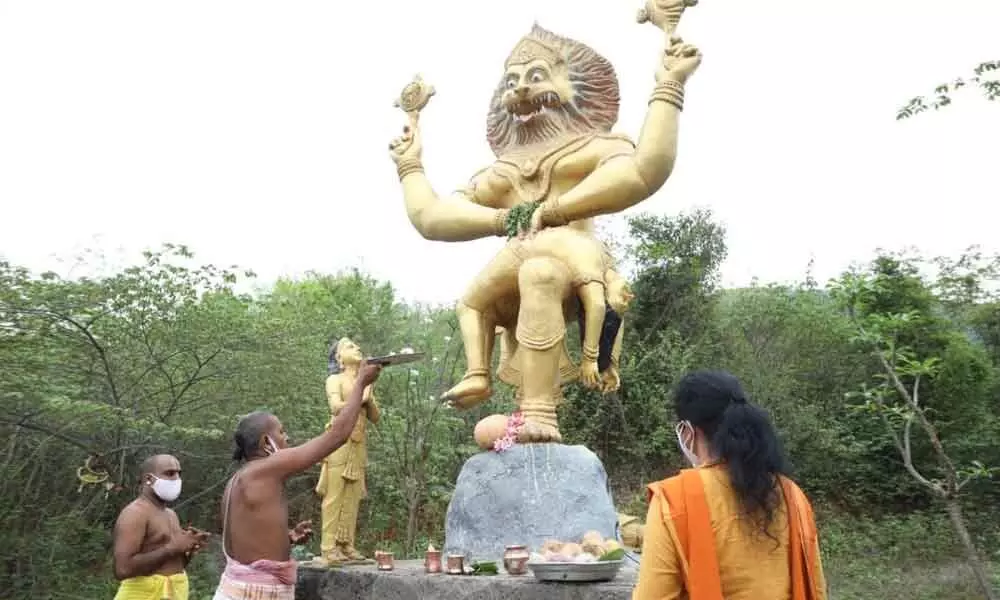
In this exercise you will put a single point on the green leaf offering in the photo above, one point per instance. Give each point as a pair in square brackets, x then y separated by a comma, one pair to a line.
[484, 568]
[519, 218]
[616, 554]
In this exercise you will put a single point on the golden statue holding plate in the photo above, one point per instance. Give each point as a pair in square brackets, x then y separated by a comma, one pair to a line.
[558, 166]
[342, 475]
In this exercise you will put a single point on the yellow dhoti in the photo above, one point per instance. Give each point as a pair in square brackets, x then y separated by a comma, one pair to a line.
[154, 587]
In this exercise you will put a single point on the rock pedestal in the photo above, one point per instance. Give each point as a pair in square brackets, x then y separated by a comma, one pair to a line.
[526, 495]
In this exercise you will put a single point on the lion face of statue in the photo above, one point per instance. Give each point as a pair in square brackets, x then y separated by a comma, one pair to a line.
[535, 90]
[552, 86]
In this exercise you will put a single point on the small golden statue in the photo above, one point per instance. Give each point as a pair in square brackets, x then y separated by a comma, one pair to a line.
[558, 166]
[632, 529]
[342, 476]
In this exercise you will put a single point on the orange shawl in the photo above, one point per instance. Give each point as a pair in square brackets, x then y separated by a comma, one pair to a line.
[685, 494]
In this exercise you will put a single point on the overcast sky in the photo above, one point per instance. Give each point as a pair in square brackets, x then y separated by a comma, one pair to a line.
[257, 132]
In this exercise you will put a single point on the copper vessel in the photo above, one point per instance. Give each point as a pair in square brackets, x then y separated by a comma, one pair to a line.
[384, 560]
[515, 559]
[456, 564]
[432, 561]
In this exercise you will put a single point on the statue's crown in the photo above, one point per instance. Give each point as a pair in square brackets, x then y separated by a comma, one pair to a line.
[531, 48]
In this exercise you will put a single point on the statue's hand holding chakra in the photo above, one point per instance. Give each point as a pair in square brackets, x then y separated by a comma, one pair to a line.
[406, 149]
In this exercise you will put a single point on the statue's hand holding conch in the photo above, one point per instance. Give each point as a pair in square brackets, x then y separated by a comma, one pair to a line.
[665, 14]
[679, 59]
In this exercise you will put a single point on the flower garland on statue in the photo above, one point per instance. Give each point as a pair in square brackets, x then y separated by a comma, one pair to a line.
[514, 424]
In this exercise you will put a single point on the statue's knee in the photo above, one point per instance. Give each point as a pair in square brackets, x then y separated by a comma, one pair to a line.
[474, 301]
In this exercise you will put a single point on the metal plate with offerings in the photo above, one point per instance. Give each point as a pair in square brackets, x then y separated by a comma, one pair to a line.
[593, 559]
[574, 571]
[400, 358]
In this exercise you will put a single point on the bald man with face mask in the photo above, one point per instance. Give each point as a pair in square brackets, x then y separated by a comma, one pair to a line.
[151, 549]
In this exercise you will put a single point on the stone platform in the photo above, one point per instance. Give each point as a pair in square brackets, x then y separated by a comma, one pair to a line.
[527, 495]
[409, 582]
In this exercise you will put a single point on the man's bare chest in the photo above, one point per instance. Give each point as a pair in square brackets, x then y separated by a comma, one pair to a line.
[160, 528]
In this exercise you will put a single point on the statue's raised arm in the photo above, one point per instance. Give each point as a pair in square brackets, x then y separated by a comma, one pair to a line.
[449, 219]
[627, 178]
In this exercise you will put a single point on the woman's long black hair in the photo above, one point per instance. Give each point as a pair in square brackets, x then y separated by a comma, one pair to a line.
[741, 436]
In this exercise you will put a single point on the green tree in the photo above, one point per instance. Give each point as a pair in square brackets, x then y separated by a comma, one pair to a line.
[789, 345]
[419, 440]
[112, 368]
[926, 375]
[668, 330]
[296, 323]
[984, 78]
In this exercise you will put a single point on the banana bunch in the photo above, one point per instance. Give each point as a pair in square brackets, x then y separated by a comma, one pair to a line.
[89, 475]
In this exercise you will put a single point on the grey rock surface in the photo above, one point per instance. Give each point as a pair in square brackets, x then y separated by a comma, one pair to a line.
[526, 495]
[409, 582]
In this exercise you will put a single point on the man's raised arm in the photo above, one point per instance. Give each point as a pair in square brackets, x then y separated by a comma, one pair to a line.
[290, 461]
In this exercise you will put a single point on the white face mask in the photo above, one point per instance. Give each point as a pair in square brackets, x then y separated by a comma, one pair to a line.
[270, 447]
[687, 452]
[167, 490]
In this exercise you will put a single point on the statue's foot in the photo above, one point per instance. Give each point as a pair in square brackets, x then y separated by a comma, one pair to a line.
[533, 432]
[472, 390]
[352, 553]
[335, 557]
[317, 561]
[347, 555]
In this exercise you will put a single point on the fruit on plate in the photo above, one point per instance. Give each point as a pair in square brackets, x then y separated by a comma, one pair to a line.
[591, 548]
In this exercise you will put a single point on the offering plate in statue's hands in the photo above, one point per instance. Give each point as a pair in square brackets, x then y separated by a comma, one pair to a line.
[395, 359]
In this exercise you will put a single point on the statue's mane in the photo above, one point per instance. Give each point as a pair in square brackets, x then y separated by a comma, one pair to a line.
[595, 89]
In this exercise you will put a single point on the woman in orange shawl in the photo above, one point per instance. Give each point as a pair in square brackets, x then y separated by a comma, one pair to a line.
[734, 526]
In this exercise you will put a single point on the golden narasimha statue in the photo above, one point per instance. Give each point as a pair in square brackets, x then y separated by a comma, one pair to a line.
[558, 166]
